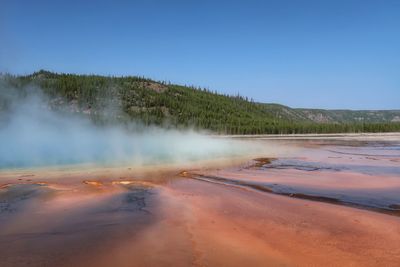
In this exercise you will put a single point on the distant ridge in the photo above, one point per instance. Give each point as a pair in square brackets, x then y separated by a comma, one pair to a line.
[124, 99]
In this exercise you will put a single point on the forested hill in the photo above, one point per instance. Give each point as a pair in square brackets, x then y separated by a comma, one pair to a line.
[125, 99]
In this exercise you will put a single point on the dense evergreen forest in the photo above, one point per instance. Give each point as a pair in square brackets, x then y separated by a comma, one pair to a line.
[127, 99]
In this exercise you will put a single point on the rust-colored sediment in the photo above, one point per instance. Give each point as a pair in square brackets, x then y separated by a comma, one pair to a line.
[194, 223]
[168, 219]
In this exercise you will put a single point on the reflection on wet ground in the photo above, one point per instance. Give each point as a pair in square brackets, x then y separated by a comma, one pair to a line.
[361, 174]
[303, 165]
[273, 210]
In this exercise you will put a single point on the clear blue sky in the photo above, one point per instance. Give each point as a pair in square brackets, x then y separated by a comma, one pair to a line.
[321, 54]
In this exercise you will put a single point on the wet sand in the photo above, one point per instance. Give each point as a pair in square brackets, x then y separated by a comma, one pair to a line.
[185, 216]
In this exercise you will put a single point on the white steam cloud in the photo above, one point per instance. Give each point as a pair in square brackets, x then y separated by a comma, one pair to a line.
[32, 134]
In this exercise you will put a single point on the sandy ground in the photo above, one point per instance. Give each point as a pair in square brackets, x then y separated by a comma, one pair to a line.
[165, 217]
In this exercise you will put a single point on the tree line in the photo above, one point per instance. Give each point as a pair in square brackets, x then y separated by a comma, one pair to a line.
[140, 99]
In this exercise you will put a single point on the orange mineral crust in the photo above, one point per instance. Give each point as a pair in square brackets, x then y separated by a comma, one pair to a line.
[193, 223]
[225, 214]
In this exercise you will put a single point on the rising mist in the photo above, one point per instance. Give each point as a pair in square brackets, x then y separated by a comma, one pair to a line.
[34, 134]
